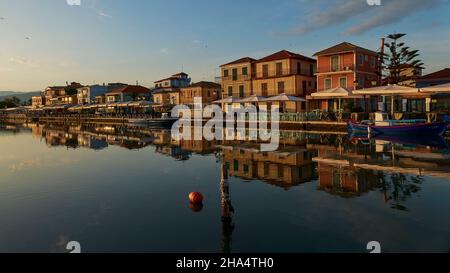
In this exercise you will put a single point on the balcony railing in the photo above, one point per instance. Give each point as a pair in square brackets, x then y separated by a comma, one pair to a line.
[283, 72]
[338, 68]
[236, 78]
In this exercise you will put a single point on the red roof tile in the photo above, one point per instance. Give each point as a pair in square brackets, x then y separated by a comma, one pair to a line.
[129, 89]
[441, 74]
[241, 60]
[205, 84]
[284, 54]
[343, 47]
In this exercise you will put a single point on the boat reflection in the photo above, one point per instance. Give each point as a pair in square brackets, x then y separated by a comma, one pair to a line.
[394, 167]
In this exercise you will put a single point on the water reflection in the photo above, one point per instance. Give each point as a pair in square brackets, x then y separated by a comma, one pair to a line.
[392, 171]
[348, 166]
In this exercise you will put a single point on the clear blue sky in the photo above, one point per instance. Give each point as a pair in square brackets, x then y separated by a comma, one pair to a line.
[49, 42]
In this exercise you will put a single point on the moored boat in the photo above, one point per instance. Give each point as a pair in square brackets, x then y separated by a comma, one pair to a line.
[437, 128]
[359, 127]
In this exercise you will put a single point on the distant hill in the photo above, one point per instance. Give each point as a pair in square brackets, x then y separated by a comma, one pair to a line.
[23, 96]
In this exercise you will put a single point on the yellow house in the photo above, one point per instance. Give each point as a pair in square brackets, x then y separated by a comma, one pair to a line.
[166, 97]
[237, 78]
[285, 72]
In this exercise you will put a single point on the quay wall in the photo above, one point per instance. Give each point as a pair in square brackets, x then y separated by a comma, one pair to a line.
[284, 125]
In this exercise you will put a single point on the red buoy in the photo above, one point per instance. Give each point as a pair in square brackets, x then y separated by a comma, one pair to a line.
[195, 198]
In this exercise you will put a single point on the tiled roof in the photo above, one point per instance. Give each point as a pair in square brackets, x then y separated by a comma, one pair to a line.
[165, 90]
[180, 74]
[173, 77]
[205, 84]
[441, 74]
[129, 89]
[284, 54]
[343, 47]
[241, 60]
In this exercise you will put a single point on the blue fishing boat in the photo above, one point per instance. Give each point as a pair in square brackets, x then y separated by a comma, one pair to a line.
[358, 127]
[382, 121]
[436, 128]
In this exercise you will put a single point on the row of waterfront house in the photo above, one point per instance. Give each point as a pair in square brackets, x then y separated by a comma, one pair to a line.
[328, 82]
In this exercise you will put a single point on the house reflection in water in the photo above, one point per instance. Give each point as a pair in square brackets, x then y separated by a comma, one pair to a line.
[350, 168]
[284, 168]
[346, 181]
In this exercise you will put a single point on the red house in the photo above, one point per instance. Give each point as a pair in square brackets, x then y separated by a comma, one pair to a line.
[348, 66]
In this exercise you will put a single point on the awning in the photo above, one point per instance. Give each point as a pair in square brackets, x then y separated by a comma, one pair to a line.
[387, 90]
[253, 98]
[227, 100]
[443, 88]
[284, 98]
[339, 92]
[58, 106]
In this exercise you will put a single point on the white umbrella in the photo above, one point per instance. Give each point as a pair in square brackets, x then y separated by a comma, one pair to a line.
[444, 88]
[334, 92]
[228, 100]
[388, 90]
[284, 97]
[253, 98]
[392, 89]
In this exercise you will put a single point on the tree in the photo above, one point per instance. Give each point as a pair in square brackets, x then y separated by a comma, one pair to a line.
[14, 100]
[399, 59]
[71, 91]
[10, 102]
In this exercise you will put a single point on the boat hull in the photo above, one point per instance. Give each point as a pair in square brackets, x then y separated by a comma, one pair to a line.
[438, 129]
[357, 127]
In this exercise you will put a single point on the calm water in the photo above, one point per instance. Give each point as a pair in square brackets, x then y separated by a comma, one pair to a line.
[119, 189]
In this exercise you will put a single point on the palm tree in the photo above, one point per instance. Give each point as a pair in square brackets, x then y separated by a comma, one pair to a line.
[399, 59]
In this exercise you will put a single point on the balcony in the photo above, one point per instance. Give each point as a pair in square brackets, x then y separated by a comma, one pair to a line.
[264, 74]
[336, 69]
[236, 78]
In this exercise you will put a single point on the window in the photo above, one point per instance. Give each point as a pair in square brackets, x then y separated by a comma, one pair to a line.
[361, 59]
[280, 171]
[373, 61]
[328, 83]
[299, 68]
[236, 165]
[225, 73]
[335, 63]
[244, 71]
[279, 69]
[366, 58]
[266, 169]
[311, 70]
[241, 91]
[264, 90]
[361, 82]
[343, 82]
[280, 87]
[235, 74]
[246, 168]
[265, 71]
[230, 91]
